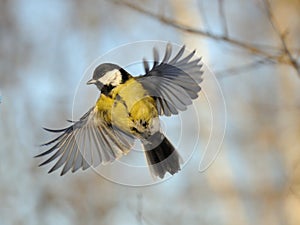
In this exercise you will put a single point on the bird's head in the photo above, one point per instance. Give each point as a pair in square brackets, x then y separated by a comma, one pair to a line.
[108, 75]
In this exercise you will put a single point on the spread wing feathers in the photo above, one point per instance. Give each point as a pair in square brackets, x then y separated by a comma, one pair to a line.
[87, 142]
[172, 82]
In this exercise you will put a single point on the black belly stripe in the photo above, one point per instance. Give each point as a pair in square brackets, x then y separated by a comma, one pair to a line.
[121, 100]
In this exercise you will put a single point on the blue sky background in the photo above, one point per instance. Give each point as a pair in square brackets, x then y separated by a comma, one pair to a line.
[45, 50]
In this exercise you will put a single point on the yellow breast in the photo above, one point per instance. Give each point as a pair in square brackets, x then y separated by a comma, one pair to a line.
[129, 107]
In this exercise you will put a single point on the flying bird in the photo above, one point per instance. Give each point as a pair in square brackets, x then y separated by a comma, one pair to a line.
[127, 109]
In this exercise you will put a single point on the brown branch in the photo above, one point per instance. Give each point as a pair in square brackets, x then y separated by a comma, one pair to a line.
[282, 36]
[259, 50]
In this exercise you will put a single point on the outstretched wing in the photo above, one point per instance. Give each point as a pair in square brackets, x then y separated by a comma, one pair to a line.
[173, 82]
[87, 142]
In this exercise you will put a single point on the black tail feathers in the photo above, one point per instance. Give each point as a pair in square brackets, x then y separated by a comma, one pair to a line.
[161, 155]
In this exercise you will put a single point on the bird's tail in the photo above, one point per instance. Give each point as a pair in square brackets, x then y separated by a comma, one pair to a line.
[161, 156]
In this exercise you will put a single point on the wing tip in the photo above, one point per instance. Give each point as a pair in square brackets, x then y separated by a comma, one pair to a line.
[51, 170]
[63, 173]
[54, 130]
[39, 155]
[146, 65]
[43, 163]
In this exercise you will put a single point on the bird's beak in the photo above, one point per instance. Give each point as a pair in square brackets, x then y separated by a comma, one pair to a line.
[91, 81]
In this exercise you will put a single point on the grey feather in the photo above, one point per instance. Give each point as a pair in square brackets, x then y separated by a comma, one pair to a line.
[156, 57]
[173, 83]
[168, 53]
[146, 65]
[86, 143]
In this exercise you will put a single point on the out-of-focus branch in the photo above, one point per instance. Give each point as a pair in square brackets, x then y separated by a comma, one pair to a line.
[243, 68]
[203, 14]
[280, 55]
[223, 17]
[139, 215]
[282, 36]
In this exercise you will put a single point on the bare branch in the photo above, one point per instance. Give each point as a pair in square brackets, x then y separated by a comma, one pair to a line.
[241, 69]
[223, 17]
[139, 215]
[282, 36]
[260, 50]
[203, 14]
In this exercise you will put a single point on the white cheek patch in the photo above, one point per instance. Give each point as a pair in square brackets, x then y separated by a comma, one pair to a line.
[113, 77]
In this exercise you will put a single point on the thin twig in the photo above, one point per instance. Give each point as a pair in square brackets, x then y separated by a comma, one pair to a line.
[241, 69]
[223, 17]
[254, 49]
[282, 36]
[203, 15]
[170, 22]
[139, 214]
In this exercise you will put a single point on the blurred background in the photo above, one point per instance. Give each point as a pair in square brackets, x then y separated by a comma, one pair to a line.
[252, 47]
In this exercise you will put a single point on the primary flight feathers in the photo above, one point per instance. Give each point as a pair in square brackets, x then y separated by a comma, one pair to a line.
[173, 83]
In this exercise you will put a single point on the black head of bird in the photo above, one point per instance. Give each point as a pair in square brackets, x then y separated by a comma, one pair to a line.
[108, 75]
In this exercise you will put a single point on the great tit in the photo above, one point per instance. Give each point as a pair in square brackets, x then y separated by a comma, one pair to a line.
[129, 108]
